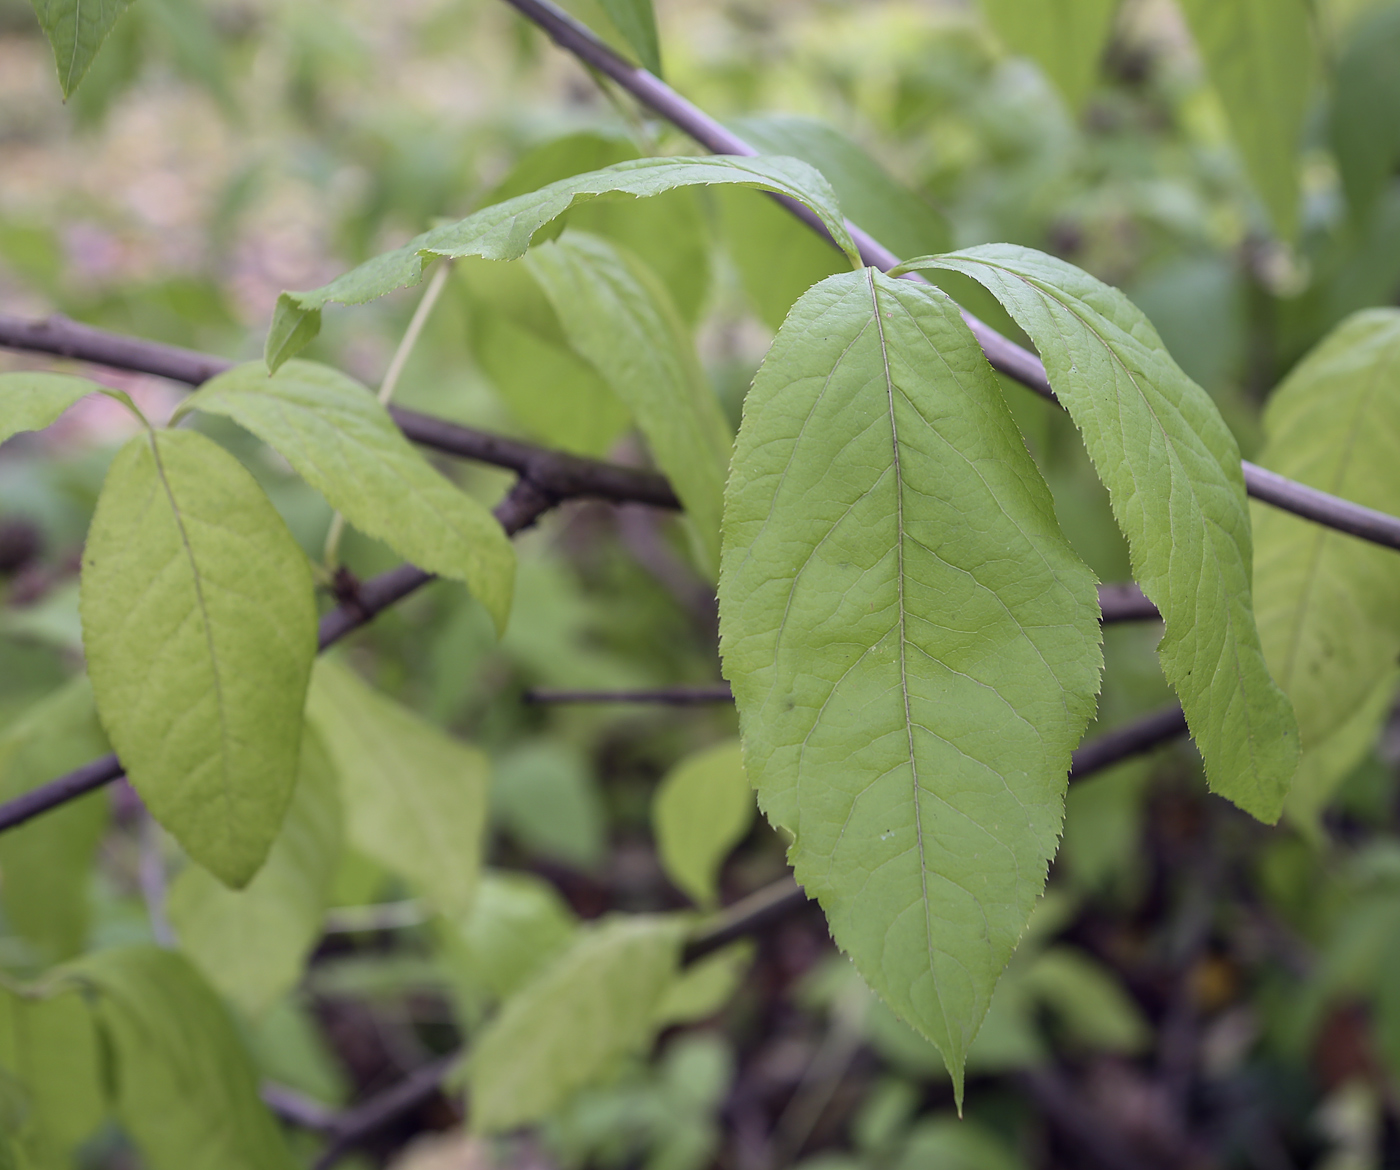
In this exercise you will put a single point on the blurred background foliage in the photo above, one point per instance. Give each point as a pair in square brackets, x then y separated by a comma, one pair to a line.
[1227, 993]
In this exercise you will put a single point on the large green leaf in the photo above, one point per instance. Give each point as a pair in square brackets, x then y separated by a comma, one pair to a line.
[199, 624]
[1172, 470]
[636, 21]
[1259, 56]
[1329, 604]
[618, 315]
[49, 1054]
[1365, 115]
[76, 31]
[340, 440]
[1066, 38]
[570, 1025]
[504, 231]
[913, 646]
[415, 799]
[32, 401]
[251, 944]
[702, 809]
[47, 863]
[185, 1088]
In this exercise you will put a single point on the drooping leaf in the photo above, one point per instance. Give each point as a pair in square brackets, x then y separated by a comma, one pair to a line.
[505, 230]
[566, 1028]
[617, 315]
[636, 21]
[913, 646]
[702, 809]
[1328, 603]
[1259, 56]
[199, 624]
[869, 195]
[339, 439]
[46, 864]
[1066, 38]
[76, 31]
[49, 1051]
[186, 1091]
[1365, 114]
[414, 798]
[1172, 470]
[33, 401]
[251, 944]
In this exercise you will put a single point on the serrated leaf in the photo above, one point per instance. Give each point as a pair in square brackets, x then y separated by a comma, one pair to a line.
[76, 31]
[702, 809]
[1259, 56]
[569, 1026]
[47, 863]
[504, 231]
[636, 21]
[1365, 113]
[339, 439]
[913, 645]
[185, 1088]
[252, 944]
[618, 316]
[1329, 604]
[1173, 475]
[49, 1049]
[33, 401]
[199, 623]
[1066, 38]
[414, 798]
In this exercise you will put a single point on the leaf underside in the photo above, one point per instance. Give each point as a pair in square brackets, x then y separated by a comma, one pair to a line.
[76, 30]
[33, 401]
[912, 644]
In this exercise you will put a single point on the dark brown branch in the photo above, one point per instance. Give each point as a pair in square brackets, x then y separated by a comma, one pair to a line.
[1004, 354]
[1142, 735]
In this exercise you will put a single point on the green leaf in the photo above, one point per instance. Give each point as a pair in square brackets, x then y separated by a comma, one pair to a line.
[1329, 604]
[618, 316]
[339, 439]
[252, 944]
[185, 1088]
[49, 1049]
[1259, 56]
[506, 230]
[1066, 38]
[913, 646]
[702, 809]
[199, 624]
[1091, 1006]
[1365, 114]
[869, 195]
[1172, 470]
[415, 799]
[76, 31]
[47, 863]
[703, 988]
[545, 796]
[569, 1027]
[31, 402]
[636, 21]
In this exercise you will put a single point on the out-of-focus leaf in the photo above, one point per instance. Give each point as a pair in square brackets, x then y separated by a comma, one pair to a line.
[1259, 56]
[76, 31]
[414, 798]
[1329, 604]
[617, 315]
[909, 684]
[950, 1143]
[46, 864]
[1172, 470]
[185, 1088]
[1066, 38]
[1325, 764]
[251, 944]
[636, 21]
[1089, 1003]
[200, 629]
[343, 443]
[1365, 115]
[545, 797]
[702, 809]
[595, 1004]
[32, 401]
[505, 231]
[704, 987]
